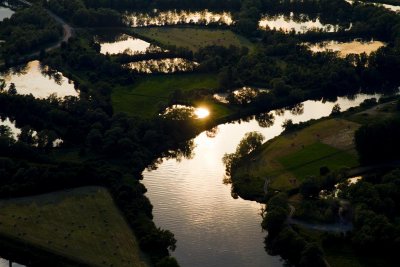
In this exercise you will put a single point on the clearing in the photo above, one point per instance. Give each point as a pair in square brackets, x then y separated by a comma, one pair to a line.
[82, 224]
[193, 38]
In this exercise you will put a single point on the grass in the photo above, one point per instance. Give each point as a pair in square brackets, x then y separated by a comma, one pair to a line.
[82, 224]
[308, 161]
[297, 155]
[145, 96]
[193, 38]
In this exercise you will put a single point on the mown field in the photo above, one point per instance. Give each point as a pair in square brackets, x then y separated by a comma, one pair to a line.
[290, 158]
[146, 96]
[193, 38]
[82, 224]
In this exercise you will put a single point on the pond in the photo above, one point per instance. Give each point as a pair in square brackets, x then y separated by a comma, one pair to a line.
[113, 44]
[387, 6]
[346, 48]
[5, 12]
[174, 17]
[167, 65]
[213, 228]
[7, 263]
[300, 23]
[39, 80]
[15, 131]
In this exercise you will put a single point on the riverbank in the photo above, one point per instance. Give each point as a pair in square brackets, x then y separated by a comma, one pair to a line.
[288, 159]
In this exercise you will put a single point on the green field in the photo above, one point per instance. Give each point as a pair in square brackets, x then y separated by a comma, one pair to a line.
[82, 224]
[308, 161]
[146, 96]
[297, 155]
[193, 38]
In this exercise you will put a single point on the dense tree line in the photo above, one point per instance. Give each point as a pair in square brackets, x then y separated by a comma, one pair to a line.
[284, 240]
[378, 142]
[164, 4]
[28, 29]
[76, 12]
[376, 209]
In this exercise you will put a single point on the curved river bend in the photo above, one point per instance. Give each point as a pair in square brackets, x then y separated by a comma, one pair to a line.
[189, 197]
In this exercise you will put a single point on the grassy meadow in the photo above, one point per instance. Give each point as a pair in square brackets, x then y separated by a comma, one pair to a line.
[193, 38]
[82, 224]
[290, 158]
[146, 96]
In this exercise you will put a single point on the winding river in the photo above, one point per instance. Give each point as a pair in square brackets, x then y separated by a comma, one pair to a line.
[189, 197]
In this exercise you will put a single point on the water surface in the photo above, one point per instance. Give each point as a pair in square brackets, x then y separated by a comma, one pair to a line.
[213, 228]
[168, 65]
[123, 43]
[299, 23]
[346, 48]
[387, 6]
[39, 80]
[6, 263]
[174, 17]
[5, 12]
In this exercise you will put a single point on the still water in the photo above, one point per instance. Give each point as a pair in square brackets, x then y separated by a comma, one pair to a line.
[15, 132]
[5, 263]
[299, 23]
[5, 12]
[346, 48]
[387, 6]
[123, 43]
[39, 80]
[173, 17]
[11, 125]
[167, 65]
[214, 229]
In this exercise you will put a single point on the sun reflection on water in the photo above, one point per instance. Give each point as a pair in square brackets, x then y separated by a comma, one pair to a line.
[201, 113]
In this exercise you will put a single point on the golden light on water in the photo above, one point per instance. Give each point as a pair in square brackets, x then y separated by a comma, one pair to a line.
[201, 113]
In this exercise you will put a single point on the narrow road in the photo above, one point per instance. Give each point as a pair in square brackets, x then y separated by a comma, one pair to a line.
[68, 33]
[68, 30]
[331, 228]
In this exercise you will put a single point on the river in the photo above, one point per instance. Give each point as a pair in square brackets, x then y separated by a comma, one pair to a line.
[190, 199]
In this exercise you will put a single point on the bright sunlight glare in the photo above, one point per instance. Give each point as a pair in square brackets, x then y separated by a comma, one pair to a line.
[201, 113]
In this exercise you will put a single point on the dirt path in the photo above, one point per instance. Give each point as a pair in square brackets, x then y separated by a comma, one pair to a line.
[331, 228]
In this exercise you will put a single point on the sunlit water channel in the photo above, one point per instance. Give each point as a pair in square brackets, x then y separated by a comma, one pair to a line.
[346, 48]
[299, 23]
[5, 12]
[189, 197]
[387, 6]
[39, 80]
[167, 65]
[174, 17]
[123, 43]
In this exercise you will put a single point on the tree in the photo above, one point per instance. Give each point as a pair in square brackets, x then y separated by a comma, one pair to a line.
[167, 262]
[288, 125]
[12, 90]
[250, 142]
[265, 120]
[310, 188]
[312, 256]
[336, 110]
